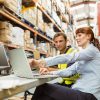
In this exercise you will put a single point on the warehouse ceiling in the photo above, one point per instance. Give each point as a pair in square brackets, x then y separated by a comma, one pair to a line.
[83, 12]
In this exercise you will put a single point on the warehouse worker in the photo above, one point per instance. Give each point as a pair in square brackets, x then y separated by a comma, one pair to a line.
[87, 64]
[60, 40]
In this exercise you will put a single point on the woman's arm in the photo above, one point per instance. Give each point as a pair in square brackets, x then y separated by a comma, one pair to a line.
[83, 55]
[68, 71]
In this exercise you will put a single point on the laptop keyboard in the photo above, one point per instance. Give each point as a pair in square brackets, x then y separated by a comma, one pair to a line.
[36, 74]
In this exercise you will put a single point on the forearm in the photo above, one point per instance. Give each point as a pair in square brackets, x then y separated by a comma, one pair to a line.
[68, 71]
[60, 59]
[83, 55]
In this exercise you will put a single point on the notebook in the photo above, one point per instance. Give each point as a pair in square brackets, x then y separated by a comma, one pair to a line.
[3, 58]
[21, 67]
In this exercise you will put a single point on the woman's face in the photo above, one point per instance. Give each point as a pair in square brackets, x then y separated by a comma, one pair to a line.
[82, 39]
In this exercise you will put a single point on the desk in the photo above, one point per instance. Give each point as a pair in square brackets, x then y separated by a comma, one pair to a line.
[11, 85]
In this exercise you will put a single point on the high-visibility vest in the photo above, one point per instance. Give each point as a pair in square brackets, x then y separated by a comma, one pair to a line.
[71, 79]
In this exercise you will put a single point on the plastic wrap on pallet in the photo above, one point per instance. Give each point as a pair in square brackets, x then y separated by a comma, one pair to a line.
[17, 36]
[47, 4]
[50, 32]
[64, 26]
[30, 15]
[56, 18]
[61, 6]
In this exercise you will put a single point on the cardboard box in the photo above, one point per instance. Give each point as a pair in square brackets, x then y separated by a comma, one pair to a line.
[14, 5]
[36, 54]
[5, 38]
[26, 34]
[5, 35]
[5, 25]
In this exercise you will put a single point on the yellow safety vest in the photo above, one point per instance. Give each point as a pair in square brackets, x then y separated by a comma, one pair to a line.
[71, 79]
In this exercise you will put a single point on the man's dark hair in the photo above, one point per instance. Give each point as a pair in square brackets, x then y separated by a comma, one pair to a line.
[60, 34]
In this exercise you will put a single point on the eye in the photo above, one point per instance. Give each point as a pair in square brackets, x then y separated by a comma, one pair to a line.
[61, 41]
[79, 35]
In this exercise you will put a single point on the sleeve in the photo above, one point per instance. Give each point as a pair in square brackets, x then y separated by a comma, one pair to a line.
[68, 71]
[83, 55]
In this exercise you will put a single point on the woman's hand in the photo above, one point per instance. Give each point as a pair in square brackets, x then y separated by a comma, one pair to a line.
[44, 70]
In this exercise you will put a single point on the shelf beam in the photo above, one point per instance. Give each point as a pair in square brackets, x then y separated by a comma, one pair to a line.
[88, 18]
[13, 18]
[83, 2]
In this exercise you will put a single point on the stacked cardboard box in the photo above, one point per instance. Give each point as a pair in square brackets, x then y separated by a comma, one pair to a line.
[30, 14]
[14, 5]
[53, 51]
[28, 42]
[5, 32]
[5, 25]
[40, 20]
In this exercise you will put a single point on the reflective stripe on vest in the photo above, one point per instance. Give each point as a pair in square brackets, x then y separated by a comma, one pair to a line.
[72, 79]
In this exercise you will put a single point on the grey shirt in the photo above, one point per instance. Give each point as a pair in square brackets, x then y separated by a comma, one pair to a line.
[87, 63]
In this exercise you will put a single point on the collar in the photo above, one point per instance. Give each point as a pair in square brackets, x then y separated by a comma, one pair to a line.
[68, 47]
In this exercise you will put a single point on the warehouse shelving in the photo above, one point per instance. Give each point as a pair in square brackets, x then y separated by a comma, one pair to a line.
[11, 17]
[47, 15]
[5, 13]
[17, 46]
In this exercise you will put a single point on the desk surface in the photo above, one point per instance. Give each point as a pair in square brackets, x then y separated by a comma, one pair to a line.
[11, 85]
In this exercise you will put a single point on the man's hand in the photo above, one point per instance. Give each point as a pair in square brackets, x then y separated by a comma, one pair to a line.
[33, 63]
[37, 63]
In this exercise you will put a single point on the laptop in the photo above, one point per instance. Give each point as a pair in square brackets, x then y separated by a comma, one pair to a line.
[21, 67]
[3, 58]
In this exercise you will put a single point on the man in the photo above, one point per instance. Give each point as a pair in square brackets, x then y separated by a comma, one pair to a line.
[60, 40]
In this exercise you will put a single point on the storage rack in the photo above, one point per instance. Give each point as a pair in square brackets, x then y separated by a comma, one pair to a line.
[4, 12]
[19, 21]
[45, 12]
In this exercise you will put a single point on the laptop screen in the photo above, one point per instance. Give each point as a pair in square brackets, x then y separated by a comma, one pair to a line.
[3, 58]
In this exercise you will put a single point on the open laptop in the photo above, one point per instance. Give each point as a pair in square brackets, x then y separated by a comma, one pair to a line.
[3, 58]
[21, 67]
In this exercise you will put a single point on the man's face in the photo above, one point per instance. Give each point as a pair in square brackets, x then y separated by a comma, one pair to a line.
[60, 43]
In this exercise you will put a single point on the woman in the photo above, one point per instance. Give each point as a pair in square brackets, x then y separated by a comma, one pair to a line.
[87, 64]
